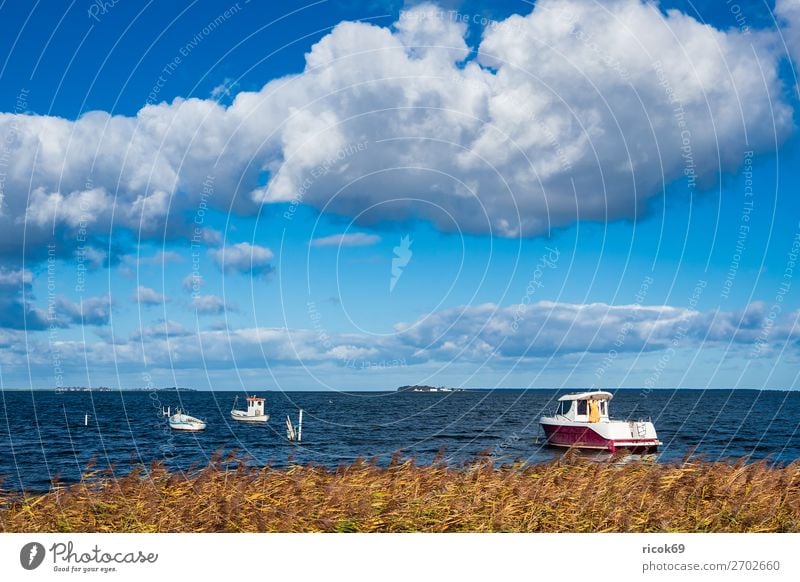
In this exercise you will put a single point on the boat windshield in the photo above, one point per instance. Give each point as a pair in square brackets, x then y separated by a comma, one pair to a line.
[563, 407]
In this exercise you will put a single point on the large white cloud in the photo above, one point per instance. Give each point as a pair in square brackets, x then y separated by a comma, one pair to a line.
[578, 110]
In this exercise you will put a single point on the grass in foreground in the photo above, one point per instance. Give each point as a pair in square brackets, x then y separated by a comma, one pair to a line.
[571, 495]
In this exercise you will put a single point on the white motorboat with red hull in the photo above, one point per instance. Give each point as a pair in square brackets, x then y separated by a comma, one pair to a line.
[582, 421]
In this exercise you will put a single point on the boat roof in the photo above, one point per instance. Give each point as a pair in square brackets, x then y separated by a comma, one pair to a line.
[254, 398]
[593, 395]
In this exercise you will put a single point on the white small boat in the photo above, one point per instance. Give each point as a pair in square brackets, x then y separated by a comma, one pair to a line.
[254, 413]
[582, 421]
[182, 421]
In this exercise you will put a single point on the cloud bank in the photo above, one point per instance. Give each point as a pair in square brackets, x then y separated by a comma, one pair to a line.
[478, 334]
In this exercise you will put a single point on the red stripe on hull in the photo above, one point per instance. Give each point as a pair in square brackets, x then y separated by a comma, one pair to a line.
[575, 436]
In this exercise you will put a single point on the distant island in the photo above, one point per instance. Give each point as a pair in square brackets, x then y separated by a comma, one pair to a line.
[418, 388]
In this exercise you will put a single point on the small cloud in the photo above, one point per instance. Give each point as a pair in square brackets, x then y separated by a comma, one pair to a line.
[211, 237]
[192, 283]
[356, 239]
[243, 258]
[126, 272]
[16, 311]
[147, 296]
[163, 257]
[224, 90]
[162, 330]
[159, 258]
[15, 278]
[209, 305]
[93, 311]
[92, 257]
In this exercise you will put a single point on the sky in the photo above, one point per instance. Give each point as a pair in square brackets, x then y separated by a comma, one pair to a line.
[362, 195]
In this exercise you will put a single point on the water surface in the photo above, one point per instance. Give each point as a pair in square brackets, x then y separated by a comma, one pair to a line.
[43, 437]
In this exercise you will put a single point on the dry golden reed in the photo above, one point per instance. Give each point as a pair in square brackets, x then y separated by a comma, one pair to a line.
[569, 495]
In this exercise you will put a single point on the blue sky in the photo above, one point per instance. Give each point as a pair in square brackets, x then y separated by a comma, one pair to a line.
[216, 194]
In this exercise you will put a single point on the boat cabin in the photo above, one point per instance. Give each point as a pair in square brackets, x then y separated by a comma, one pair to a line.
[585, 407]
[255, 406]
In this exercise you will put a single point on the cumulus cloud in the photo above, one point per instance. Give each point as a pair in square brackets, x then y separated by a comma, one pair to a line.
[146, 296]
[159, 258]
[243, 258]
[546, 328]
[92, 311]
[170, 344]
[476, 334]
[19, 312]
[573, 111]
[224, 90]
[92, 257]
[193, 282]
[16, 309]
[788, 12]
[209, 305]
[354, 239]
[161, 330]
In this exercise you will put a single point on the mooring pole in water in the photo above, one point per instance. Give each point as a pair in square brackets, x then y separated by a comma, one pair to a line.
[86, 419]
[300, 427]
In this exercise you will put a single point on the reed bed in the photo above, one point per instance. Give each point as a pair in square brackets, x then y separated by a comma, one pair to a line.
[569, 495]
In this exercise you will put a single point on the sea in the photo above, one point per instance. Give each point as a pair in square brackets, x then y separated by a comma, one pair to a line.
[47, 439]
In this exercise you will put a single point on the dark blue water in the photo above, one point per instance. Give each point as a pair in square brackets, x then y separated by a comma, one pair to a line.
[42, 436]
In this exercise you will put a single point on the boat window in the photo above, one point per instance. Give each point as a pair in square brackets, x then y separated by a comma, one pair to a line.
[564, 406]
[581, 407]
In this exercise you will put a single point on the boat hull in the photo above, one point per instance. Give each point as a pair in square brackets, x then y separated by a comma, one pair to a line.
[186, 423]
[187, 427]
[604, 436]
